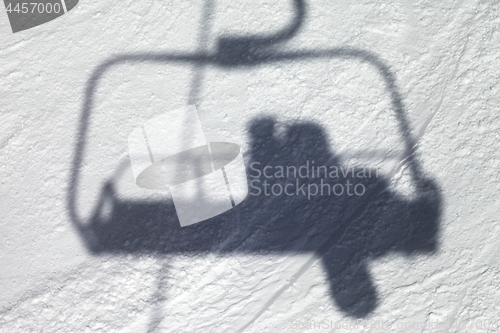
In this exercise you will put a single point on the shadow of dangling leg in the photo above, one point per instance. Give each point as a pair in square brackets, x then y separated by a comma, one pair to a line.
[159, 297]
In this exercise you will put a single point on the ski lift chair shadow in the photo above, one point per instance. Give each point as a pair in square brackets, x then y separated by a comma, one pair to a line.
[344, 231]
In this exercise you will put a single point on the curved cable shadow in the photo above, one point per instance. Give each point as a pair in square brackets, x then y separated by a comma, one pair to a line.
[234, 50]
[345, 231]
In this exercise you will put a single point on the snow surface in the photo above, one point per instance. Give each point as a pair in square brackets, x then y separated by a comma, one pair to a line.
[74, 88]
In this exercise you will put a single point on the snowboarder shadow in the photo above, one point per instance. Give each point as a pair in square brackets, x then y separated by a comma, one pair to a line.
[282, 216]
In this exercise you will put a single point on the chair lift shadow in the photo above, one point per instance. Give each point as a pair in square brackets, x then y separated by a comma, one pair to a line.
[345, 231]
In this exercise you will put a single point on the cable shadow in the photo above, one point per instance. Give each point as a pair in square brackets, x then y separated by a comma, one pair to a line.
[345, 231]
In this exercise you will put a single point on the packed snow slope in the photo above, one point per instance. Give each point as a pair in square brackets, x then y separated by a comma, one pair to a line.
[401, 99]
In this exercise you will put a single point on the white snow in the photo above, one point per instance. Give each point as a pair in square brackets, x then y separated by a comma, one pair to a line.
[444, 56]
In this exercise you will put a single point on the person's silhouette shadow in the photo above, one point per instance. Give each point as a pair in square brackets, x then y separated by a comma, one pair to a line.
[344, 230]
